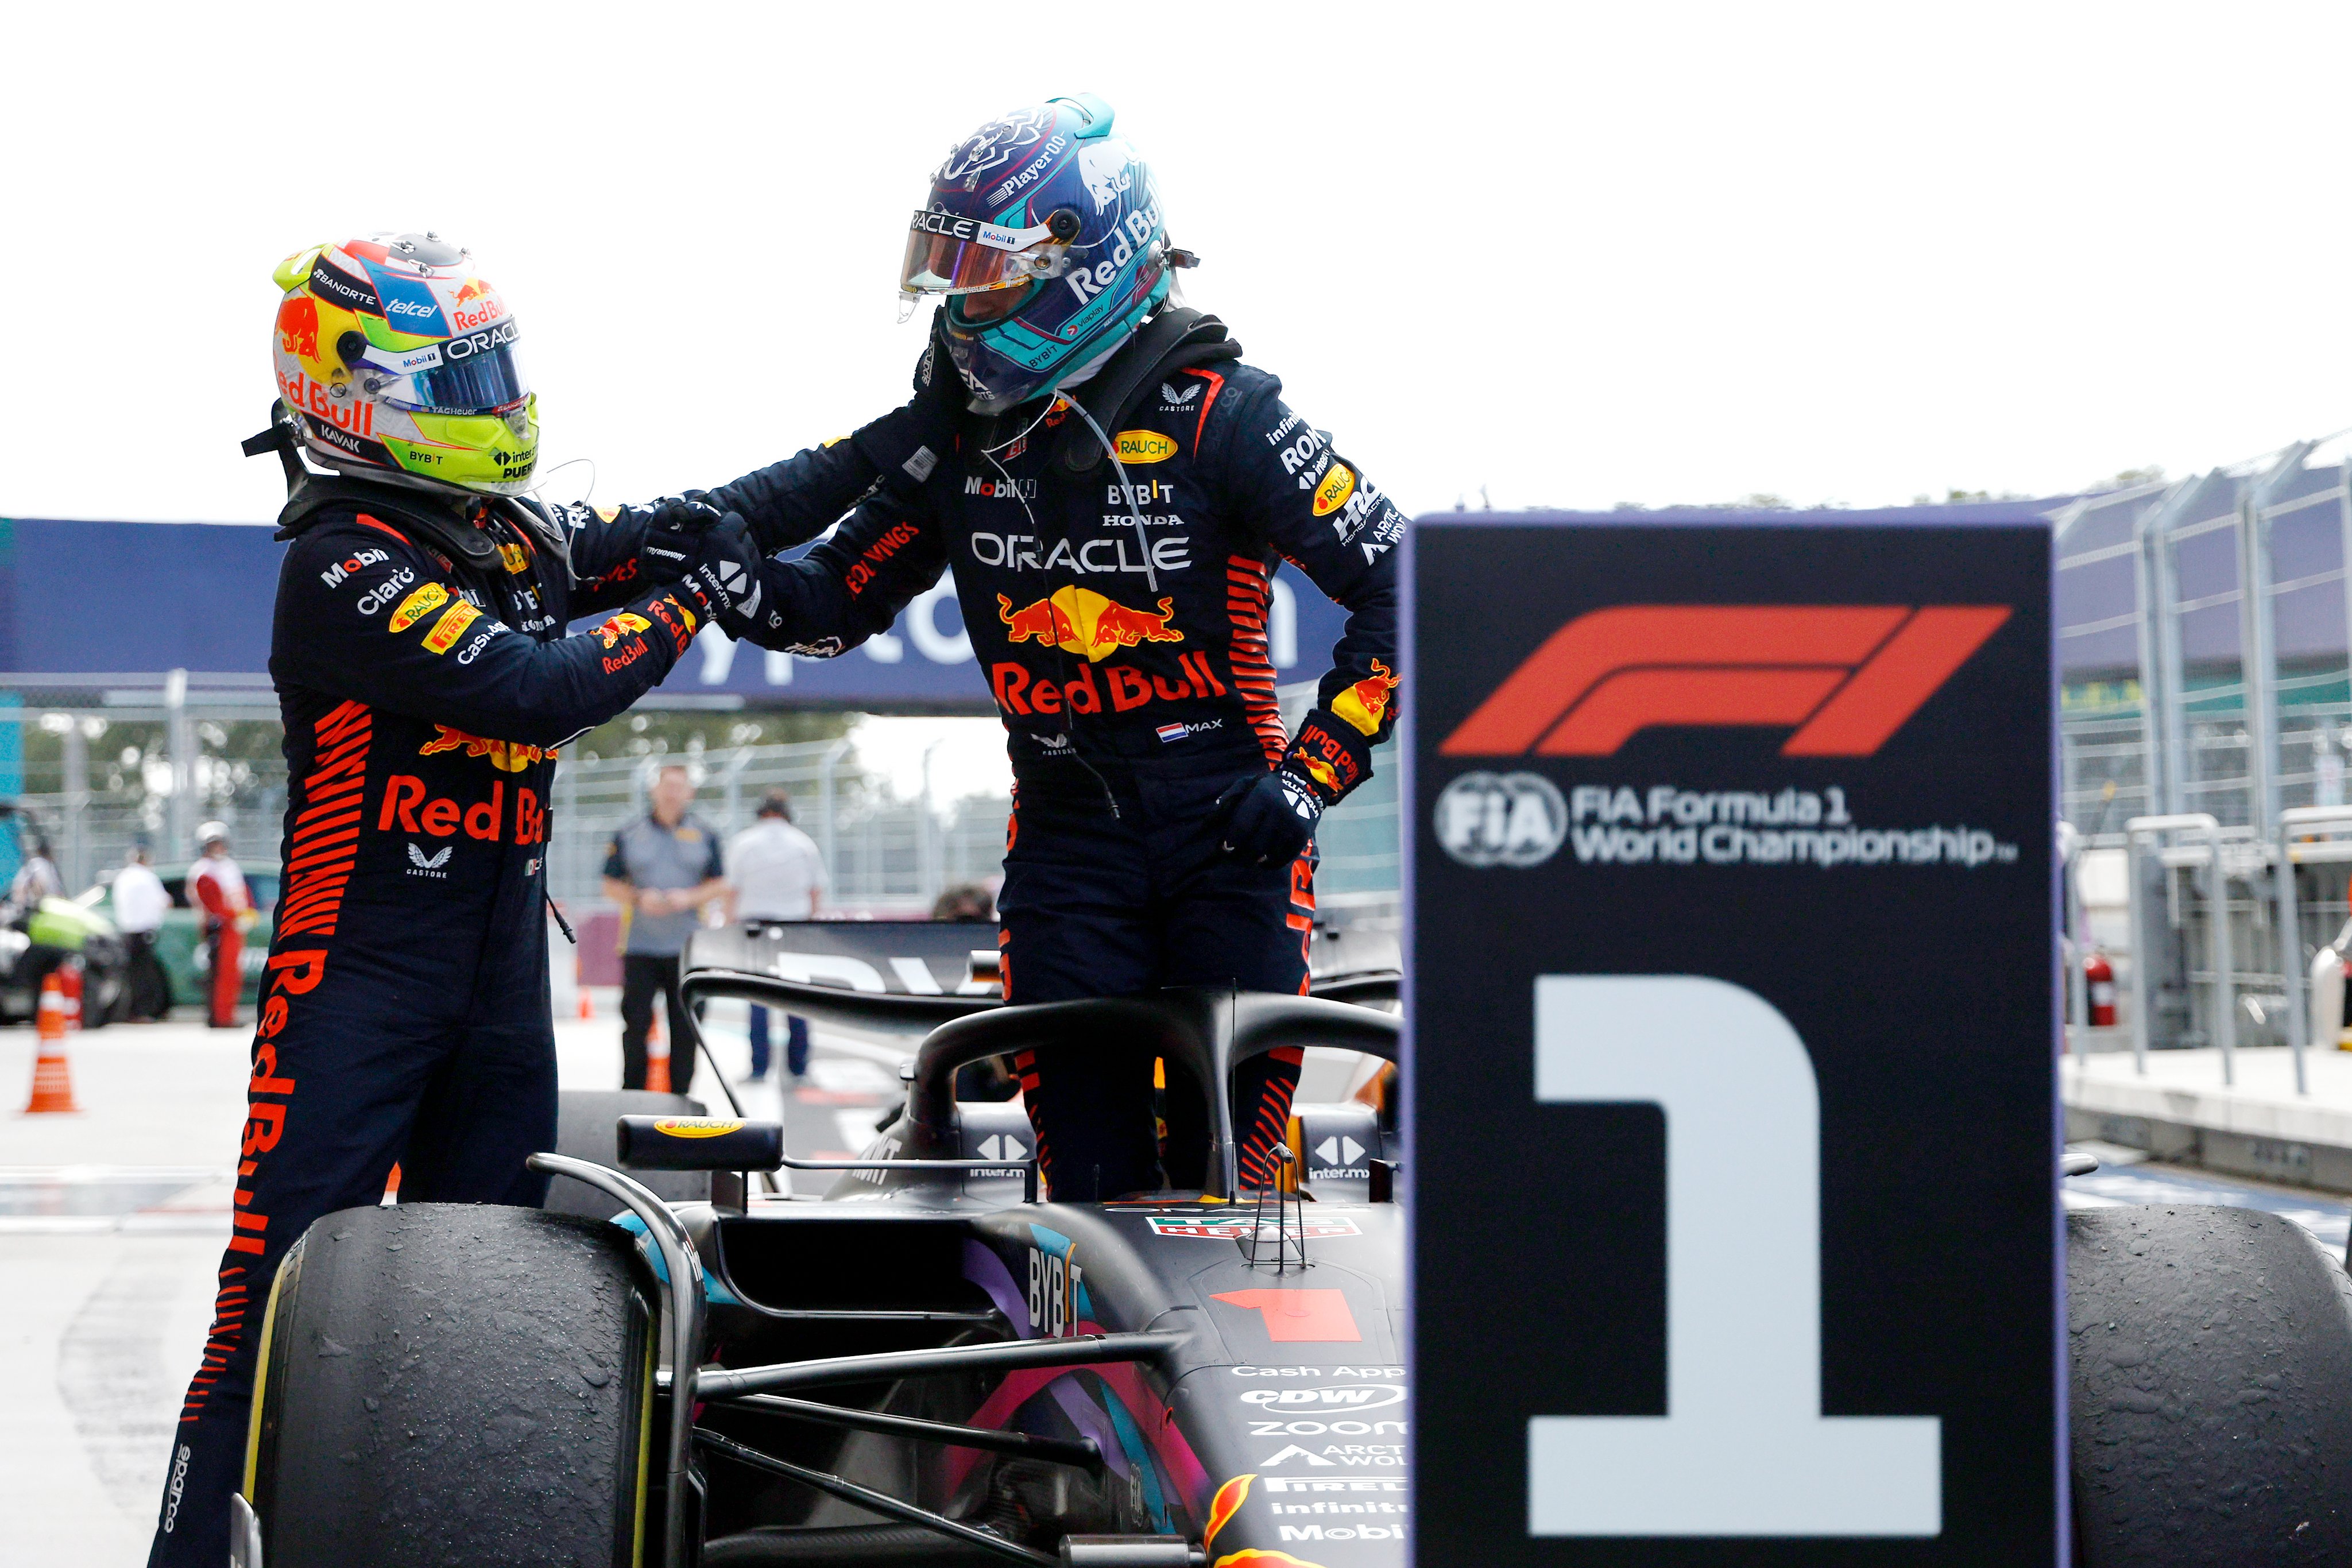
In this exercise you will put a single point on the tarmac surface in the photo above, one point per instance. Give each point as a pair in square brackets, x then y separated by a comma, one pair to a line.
[112, 1220]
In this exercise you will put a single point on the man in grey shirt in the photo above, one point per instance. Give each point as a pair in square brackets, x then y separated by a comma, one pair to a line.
[661, 869]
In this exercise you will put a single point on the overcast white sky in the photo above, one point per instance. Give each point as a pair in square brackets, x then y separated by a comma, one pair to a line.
[1575, 254]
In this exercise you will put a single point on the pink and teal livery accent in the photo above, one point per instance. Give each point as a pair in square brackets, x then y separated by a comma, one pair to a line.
[1111, 1402]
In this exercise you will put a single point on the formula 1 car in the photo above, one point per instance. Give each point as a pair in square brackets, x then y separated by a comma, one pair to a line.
[931, 1364]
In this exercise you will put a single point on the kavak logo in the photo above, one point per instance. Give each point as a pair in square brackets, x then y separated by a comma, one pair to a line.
[1847, 677]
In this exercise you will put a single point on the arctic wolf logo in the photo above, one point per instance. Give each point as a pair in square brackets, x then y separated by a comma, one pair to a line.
[992, 145]
[1103, 165]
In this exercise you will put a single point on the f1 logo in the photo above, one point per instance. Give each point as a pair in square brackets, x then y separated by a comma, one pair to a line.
[1848, 677]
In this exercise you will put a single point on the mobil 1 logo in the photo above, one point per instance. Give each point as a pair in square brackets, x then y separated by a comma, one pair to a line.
[1732, 1040]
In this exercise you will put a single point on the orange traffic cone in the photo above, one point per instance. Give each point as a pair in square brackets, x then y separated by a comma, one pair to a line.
[52, 1080]
[587, 1004]
[657, 1059]
[390, 1186]
[70, 982]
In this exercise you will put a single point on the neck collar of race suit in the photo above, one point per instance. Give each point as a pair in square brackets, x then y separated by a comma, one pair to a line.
[447, 517]
[452, 523]
[1175, 338]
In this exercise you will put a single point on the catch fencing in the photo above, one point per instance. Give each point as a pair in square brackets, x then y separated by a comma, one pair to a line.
[2207, 674]
[888, 853]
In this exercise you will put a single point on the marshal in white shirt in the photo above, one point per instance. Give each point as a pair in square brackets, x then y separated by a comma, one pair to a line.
[775, 871]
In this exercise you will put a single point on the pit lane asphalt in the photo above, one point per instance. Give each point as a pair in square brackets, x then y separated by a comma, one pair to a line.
[112, 1222]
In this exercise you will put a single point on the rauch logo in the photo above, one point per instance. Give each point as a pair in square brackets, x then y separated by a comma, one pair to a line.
[1848, 677]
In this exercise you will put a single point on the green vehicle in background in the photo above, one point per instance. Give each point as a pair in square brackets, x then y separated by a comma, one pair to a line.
[36, 942]
[180, 942]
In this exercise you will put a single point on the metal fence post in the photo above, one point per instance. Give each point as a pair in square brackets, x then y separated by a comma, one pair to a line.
[76, 746]
[2143, 949]
[2224, 955]
[179, 747]
[2258, 640]
[2159, 648]
[2256, 671]
[2299, 1023]
[2225, 998]
[833, 755]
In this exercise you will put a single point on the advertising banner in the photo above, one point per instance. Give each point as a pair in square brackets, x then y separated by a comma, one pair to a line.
[1732, 1067]
[204, 592]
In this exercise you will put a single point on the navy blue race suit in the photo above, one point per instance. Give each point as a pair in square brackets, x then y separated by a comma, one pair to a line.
[403, 1013]
[1122, 631]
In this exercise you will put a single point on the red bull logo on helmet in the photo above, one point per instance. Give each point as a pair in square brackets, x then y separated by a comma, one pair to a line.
[1080, 620]
[506, 756]
[298, 326]
[475, 304]
[1364, 704]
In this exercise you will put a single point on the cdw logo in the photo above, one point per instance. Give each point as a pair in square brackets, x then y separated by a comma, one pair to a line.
[1847, 675]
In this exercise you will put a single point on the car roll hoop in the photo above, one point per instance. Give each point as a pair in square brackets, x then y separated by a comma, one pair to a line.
[1208, 1032]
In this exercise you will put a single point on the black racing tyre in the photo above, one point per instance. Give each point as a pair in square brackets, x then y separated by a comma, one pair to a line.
[455, 1383]
[2211, 1389]
[585, 1129]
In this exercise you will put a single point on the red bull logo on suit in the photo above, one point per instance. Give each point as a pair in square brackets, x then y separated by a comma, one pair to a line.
[1080, 620]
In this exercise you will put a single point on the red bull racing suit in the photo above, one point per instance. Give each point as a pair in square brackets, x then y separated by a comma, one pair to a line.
[1122, 629]
[403, 1012]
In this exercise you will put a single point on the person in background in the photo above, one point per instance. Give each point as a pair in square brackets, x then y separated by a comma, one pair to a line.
[140, 901]
[35, 879]
[964, 901]
[774, 872]
[217, 888]
[661, 869]
[991, 1078]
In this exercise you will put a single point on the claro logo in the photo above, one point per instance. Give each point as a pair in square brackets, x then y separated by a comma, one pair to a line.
[1847, 677]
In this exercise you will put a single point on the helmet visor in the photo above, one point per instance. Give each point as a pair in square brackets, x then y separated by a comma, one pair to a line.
[480, 373]
[948, 255]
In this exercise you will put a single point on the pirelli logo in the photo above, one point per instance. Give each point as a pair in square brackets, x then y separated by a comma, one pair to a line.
[1845, 677]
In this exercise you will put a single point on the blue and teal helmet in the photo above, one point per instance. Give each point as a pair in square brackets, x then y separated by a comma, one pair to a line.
[1044, 233]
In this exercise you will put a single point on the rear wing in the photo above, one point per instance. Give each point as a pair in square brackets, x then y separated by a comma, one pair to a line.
[909, 977]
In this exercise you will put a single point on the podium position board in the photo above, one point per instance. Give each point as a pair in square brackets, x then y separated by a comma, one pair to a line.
[1733, 1147]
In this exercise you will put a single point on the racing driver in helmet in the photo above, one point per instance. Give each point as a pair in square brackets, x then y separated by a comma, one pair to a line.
[426, 682]
[1119, 490]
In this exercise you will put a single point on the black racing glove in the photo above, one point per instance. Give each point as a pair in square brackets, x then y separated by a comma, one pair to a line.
[1268, 818]
[723, 576]
[673, 533]
[909, 442]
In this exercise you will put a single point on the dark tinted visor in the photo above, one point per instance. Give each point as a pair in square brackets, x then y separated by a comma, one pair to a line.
[482, 383]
